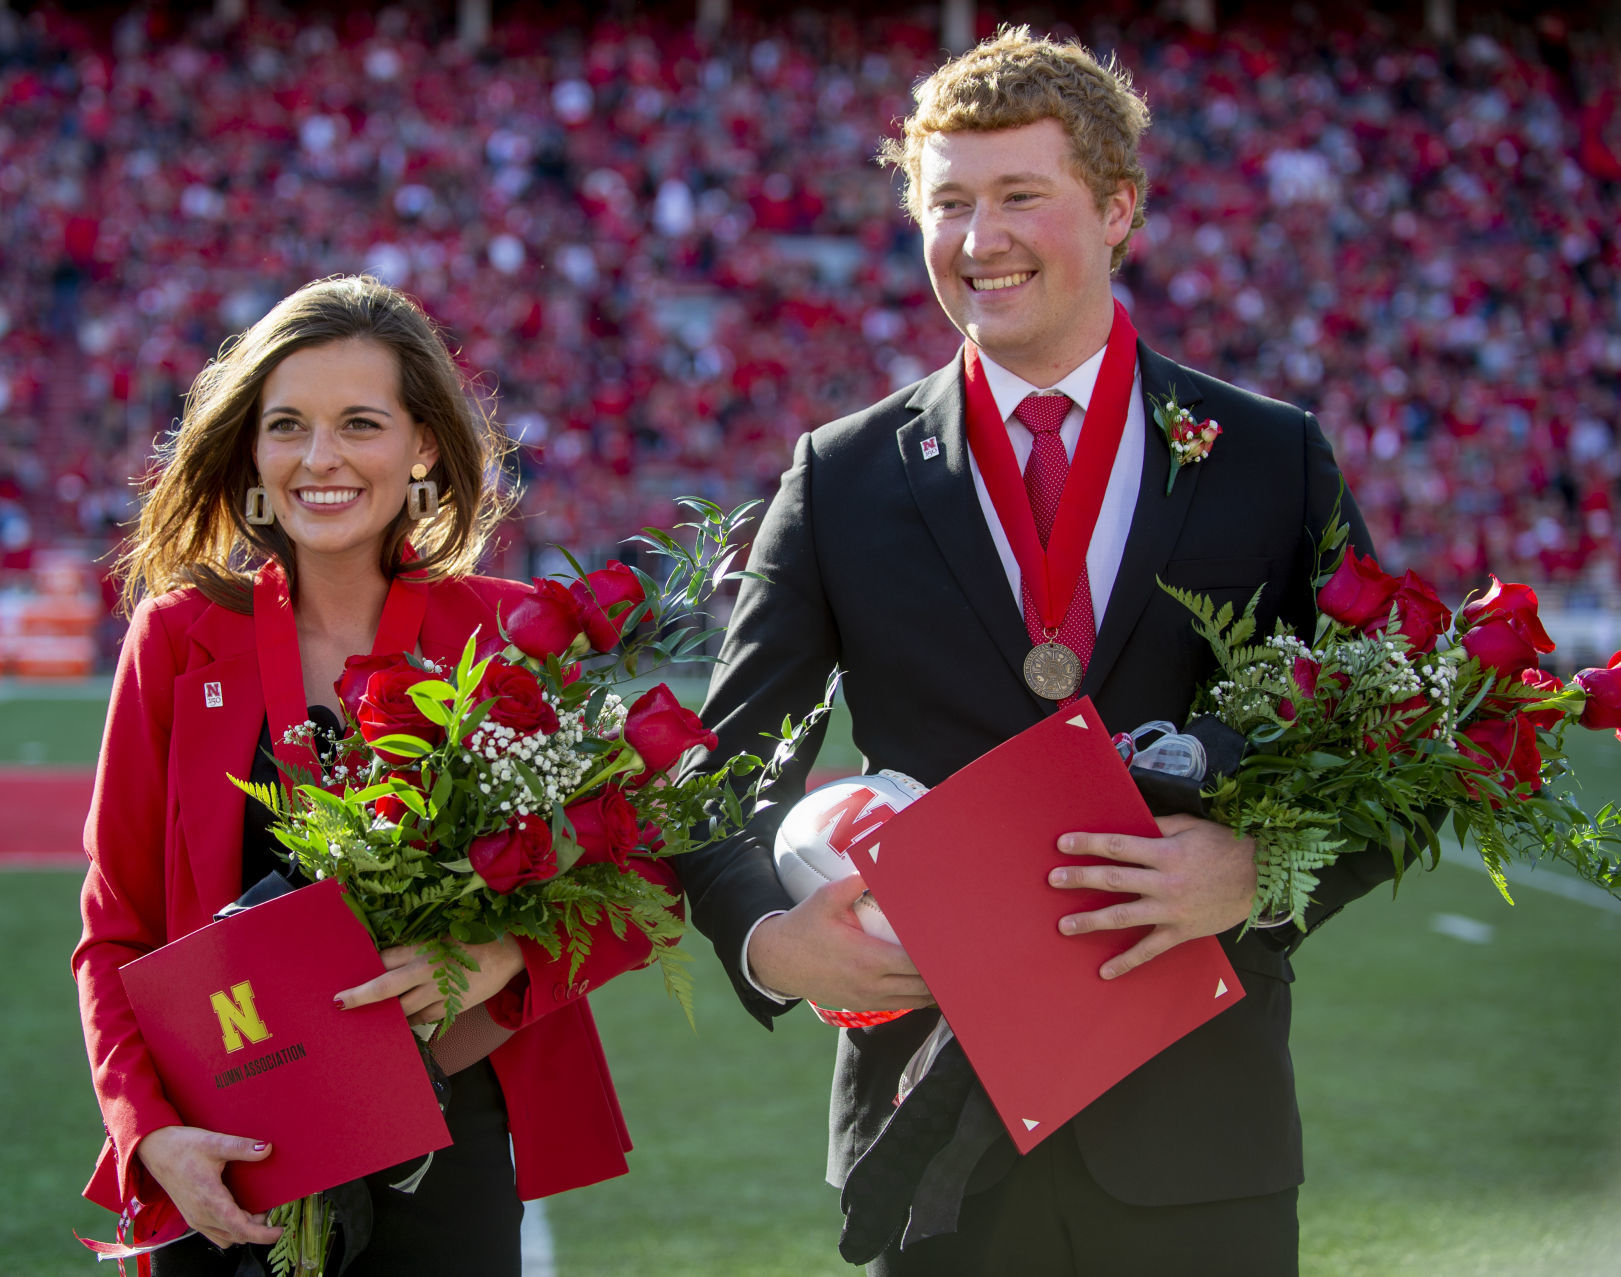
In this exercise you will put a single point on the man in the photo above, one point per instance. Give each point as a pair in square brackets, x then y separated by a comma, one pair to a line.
[892, 549]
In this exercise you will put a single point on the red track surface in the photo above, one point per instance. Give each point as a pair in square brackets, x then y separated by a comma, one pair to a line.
[43, 824]
[44, 810]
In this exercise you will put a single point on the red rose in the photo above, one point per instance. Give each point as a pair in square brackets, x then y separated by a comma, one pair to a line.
[1304, 676]
[605, 827]
[522, 852]
[1500, 645]
[600, 591]
[1341, 681]
[660, 729]
[546, 622]
[357, 672]
[1603, 688]
[1358, 592]
[389, 807]
[1503, 630]
[1395, 726]
[392, 808]
[1545, 682]
[1506, 746]
[1513, 600]
[387, 709]
[519, 703]
[1421, 617]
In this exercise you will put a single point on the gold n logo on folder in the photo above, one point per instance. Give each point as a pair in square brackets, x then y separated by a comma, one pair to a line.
[237, 1016]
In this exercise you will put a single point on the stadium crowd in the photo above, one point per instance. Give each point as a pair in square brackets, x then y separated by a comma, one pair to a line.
[668, 255]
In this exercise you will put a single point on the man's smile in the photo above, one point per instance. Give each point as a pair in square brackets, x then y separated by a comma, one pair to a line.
[1000, 282]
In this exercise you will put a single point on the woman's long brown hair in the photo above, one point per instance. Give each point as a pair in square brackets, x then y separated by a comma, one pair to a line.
[192, 528]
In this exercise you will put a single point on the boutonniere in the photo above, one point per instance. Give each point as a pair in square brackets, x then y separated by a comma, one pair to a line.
[1189, 440]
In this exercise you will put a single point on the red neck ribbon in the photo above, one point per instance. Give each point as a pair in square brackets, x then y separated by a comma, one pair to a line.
[281, 671]
[1053, 572]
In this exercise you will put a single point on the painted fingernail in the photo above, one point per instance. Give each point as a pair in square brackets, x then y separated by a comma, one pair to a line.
[338, 1002]
[261, 1146]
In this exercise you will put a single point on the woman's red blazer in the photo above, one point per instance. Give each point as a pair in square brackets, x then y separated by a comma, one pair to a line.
[164, 839]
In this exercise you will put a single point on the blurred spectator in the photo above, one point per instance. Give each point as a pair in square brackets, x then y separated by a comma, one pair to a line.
[673, 257]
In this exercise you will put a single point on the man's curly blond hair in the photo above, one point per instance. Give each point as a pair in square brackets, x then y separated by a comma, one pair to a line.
[1014, 79]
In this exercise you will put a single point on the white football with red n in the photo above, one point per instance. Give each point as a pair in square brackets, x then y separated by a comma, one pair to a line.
[815, 837]
[813, 848]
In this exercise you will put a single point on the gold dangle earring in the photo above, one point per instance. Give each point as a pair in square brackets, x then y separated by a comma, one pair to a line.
[422, 496]
[258, 511]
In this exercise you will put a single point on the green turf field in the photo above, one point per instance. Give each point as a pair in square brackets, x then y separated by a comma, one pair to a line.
[1460, 1103]
[1458, 1087]
[40, 724]
[43, 724]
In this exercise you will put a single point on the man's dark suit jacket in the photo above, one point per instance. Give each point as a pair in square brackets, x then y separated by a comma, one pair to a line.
[879, 560]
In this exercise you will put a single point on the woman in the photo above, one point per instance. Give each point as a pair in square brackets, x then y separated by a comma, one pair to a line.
[332, 448]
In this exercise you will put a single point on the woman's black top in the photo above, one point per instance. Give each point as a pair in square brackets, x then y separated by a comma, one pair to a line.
[261, 853]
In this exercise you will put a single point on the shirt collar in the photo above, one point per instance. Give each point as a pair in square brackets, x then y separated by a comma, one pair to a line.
[1009, 389]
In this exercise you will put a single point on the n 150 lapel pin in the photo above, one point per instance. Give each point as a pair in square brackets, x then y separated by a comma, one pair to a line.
[213, 698]
[931, 448]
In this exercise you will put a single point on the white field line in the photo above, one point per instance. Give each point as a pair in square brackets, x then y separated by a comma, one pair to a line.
[1545, 880]
[1459, 927]
[539, 1255]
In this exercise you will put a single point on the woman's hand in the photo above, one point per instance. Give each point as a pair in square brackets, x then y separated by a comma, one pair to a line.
[188, 1163]
[410, 979]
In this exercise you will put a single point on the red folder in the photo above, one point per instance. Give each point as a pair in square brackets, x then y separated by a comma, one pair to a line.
[961, 874]
[240, 1022]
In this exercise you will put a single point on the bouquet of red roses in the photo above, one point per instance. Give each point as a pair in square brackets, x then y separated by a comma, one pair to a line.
[513, 792]
[508, 794]
[1394, 715]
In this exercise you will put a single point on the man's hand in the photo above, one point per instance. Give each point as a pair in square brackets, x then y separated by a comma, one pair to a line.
[817, 950]
[1198, 879]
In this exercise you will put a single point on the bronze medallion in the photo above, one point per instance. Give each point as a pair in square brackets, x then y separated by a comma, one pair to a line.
[1052, 671]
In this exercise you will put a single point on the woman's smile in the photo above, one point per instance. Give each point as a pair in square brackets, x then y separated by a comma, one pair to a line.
[327, 496]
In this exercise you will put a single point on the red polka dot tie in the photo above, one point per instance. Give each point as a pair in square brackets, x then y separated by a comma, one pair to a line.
[1044, 476]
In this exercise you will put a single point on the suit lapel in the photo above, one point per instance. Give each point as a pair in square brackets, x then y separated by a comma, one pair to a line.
[219, 710]
[1156, 522]
[943, 488]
